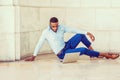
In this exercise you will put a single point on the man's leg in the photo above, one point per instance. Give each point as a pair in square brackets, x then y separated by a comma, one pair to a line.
[75, 40]
[85, 51]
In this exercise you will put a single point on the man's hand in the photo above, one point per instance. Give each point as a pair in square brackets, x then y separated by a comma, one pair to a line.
[91, 36]
[32, 58]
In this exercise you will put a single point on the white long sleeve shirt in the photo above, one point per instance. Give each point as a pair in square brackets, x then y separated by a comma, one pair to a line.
[55, 39]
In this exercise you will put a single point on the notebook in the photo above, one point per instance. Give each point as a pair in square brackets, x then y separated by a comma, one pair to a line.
[71, 57]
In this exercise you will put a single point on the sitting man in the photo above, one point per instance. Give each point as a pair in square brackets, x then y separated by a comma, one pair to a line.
[54, 34]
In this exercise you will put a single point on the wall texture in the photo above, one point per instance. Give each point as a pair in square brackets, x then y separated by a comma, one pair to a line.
[22, 21]
[7, 35]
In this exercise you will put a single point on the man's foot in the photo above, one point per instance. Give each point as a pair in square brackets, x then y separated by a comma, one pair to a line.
[111, 56]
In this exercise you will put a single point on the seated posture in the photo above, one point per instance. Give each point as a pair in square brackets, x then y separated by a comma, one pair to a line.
[54, 34]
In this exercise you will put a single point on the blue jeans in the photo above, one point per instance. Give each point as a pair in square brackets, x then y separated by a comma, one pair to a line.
[70, 47]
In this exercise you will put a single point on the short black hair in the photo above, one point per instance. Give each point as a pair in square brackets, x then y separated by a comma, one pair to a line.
[53, 20]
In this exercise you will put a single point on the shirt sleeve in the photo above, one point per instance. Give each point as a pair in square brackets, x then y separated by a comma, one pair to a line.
[74, 30]
[39, 44]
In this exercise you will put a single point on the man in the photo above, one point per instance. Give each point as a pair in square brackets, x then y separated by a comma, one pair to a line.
[54, 34]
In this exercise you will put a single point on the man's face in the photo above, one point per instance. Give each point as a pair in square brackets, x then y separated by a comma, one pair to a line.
[54, 26]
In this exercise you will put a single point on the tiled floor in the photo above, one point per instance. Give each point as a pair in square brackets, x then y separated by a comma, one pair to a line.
[47, 67]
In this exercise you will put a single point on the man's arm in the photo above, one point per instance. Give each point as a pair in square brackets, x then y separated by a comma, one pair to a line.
[37, 48]
[73, 30]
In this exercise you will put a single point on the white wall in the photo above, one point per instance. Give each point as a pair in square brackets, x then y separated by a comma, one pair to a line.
[7, 45]
[28, 18]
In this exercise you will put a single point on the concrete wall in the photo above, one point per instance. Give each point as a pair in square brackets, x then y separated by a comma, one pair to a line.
[7, 35]
[22, 21]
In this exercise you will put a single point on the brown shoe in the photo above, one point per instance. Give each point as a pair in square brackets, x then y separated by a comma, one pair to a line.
[112, 56]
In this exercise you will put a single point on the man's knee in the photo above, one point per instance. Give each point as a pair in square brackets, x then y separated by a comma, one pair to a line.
[80, 35]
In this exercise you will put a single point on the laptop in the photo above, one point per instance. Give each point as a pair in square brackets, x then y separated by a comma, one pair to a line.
[71, 57]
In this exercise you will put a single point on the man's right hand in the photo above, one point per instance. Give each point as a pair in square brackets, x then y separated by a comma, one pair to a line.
[32, 58]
